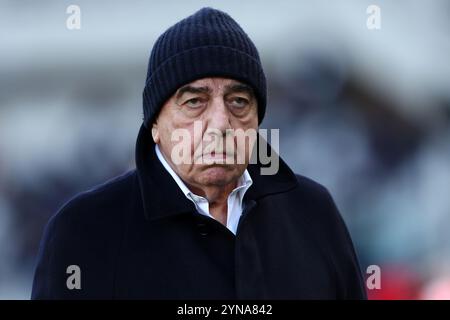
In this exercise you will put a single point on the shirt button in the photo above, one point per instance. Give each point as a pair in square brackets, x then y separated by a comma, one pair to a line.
[202, 229]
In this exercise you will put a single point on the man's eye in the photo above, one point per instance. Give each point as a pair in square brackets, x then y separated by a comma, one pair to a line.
[194, 103]
[239, 102]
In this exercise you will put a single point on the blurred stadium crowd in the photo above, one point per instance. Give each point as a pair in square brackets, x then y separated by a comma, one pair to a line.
[366, 113]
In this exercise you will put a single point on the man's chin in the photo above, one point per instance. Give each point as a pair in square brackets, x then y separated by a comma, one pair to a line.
[219, 174]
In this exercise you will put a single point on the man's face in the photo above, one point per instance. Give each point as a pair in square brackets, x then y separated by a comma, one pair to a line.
[208, 110]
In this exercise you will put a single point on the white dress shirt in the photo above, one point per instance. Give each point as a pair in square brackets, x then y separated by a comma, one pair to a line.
[234, 201]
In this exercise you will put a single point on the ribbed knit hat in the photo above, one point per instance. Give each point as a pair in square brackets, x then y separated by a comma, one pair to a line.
[206, 44]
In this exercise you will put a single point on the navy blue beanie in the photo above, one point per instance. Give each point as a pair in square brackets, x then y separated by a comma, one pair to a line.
[206, 44]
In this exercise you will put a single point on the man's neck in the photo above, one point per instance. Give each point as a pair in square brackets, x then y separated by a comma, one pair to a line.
[217, 197]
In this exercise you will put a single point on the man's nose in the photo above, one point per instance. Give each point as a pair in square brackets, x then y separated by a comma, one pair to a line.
[219, 116]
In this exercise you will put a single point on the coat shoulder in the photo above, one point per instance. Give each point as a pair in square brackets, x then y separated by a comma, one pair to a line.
[311, 186]
[103, 199]
[99, 208]
[316, 193]
[316, 197]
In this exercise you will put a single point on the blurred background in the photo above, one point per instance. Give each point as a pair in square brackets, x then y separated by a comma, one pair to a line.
[366, 112]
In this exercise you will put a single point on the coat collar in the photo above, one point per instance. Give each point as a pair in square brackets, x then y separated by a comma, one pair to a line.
[162, 197]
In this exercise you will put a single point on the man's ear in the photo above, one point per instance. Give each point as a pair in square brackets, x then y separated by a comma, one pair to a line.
[155, 133]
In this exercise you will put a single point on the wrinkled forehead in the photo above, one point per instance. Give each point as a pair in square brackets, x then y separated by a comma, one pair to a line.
[214, 85]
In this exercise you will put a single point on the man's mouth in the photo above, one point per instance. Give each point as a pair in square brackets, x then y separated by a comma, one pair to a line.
[216, 155]
[219, 157]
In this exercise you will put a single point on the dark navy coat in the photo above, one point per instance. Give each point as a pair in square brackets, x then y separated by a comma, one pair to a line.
[138, 237]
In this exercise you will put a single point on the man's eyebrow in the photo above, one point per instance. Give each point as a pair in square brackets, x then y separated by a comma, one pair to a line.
[239, 87]
[191, 89]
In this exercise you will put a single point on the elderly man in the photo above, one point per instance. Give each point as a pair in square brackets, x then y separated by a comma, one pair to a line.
[200, 224]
